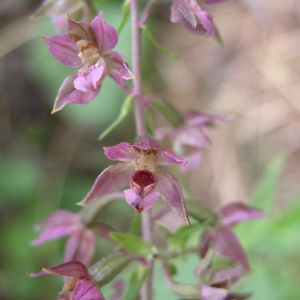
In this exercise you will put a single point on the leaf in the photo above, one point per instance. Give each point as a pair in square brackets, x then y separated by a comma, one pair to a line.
[264, 193]
[125, 109]
[201, 213]
[125, 15]
[134, 244]
[218, 37]
[157, 46]
[136, 224]
[109, 267]
[149, 124]
[136, 281]
[168, 111]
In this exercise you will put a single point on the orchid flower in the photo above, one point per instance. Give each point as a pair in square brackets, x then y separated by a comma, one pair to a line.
[81, 243]
[190, 138]
[79, 284]
[222, 239]
[142, 168]
[88, 47]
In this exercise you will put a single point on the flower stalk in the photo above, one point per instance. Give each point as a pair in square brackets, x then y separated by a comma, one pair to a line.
[147, 226]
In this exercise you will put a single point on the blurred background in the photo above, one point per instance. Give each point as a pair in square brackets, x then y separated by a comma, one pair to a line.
[49, 162]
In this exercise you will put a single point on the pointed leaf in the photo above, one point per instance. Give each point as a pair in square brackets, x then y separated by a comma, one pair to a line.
[201, 213]
[149, 122]
[168, 111]
[136, 224]
[218, 37]
[136, 281]
[108, 268]
[157, 46]
[125, 110]
[125, 15]
[135, 244]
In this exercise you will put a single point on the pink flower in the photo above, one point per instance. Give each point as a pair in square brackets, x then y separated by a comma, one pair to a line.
[190, 138]
[190, 14]
[142, 168]
[81, 243]
[88, 47]
[79, 284]
[222, 238]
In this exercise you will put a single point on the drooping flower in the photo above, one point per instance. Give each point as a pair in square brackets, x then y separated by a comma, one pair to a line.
[191, 15]
[216, 282]
[79, 284]
[82, 241]
[222, 239]
[58, 9]
[190, 138]
[88, 47]
[142, 168]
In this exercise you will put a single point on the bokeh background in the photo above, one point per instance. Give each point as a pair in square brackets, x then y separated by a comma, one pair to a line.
[49, 162]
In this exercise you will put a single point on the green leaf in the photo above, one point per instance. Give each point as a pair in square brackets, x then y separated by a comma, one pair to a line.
[218, 37]
[157, 46]
[135, 244]
[264, 193]
[136, 224]
[109, 267]
[168, 111]
[125, 15]
[149, 124]
[136, 281]
[201, 213]
[125, 109]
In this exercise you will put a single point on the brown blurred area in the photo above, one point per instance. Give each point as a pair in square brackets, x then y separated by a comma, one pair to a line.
[255, 77]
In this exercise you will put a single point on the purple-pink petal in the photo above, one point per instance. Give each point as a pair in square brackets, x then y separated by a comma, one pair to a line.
[238, 212]
[86, 290]
[112, 179]
[181, 12]
[79, 30]
[205, 243]
[122, 151]
[167, 157]
[205, 21]
[74, 269]
[172, 194]
[63, 49]
[118, 70]
[81, 246]
[141, 204]
[226, 243]
[106, 35]
[89, 80]
[212, 293]
[195, 118]
[193, 161]
[146, 142]
[68, 94]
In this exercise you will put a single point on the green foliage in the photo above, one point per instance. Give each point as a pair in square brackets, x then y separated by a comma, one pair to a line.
[109, 267]
[125, 15]
[135, 244]
[137, 278]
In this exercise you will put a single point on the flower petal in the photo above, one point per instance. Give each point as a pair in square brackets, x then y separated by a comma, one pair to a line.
[63, 49]
[145, 143]
[106, 35]
[74, 269]
[192, 136]
[81, 246]
[172, 194]
[238, 212]
[141, 204]
[86, 290]
[193, 161]
[89, 80]
[118, 70]
[79, 30]
[205, 243]
[196, 118]
[68, 94]
[59, 224]
[113, 178]
[181, 12]
[211, 293]
[122, 151]
[227, 244]
[167, 157]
